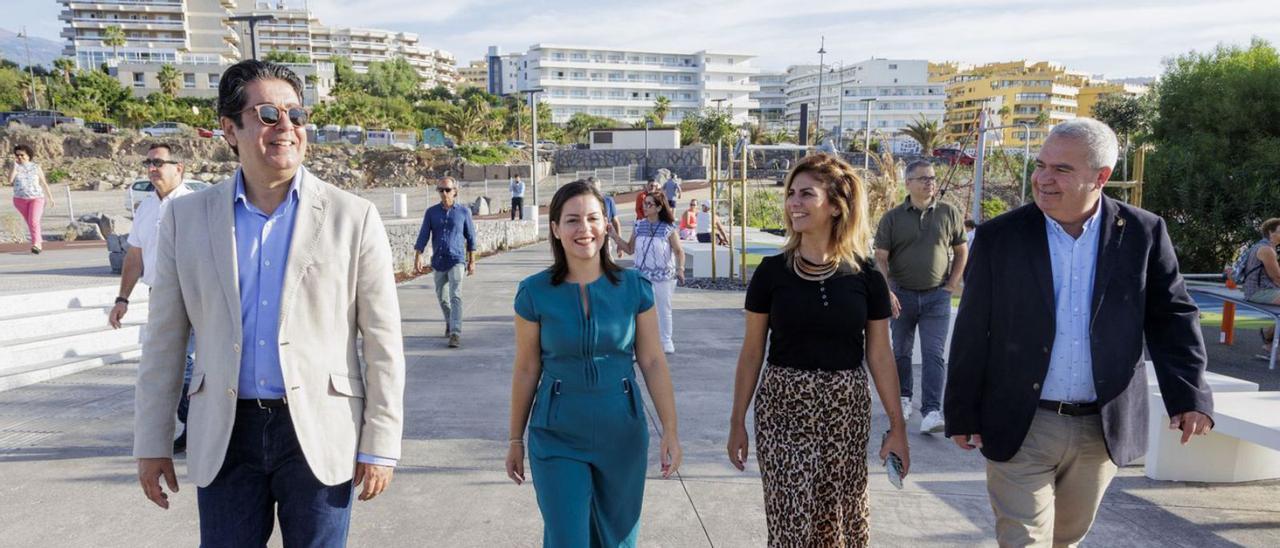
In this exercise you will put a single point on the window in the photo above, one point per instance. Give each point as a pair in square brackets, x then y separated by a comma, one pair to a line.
[893, 67]
[214, 79]
[139, 80]
[602, 137]
[189, 80]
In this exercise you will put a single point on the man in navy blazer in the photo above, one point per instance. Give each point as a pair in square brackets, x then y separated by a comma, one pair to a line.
[1046, 368]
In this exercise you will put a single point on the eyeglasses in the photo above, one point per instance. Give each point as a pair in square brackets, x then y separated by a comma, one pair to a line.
[650, 204]
[157, 163]
[925, 179]
[269, 114]
[444, 189]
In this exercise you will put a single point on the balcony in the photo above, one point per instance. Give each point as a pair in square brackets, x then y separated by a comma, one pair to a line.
[730, 86]
[128, 6]
[615, 65]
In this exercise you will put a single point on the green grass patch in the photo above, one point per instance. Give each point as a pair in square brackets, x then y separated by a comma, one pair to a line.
[1214, 319]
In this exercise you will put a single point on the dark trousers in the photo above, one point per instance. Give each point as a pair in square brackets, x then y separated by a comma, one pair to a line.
[930, 311]
[704, 237]
[517, 207]
[266, 476]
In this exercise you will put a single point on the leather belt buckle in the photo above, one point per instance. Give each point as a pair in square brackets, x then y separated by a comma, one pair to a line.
[1063, 405]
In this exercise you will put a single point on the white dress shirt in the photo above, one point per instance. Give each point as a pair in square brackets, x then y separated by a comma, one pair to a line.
[1073, 260]
[146, 228]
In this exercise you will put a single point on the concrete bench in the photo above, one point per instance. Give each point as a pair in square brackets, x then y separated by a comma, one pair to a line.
[1162, 438]
[1243, 446]
[1236, 296]
[697, 255]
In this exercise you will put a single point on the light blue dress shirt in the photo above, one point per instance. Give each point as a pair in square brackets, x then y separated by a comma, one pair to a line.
[262, 252]
[1073, 260]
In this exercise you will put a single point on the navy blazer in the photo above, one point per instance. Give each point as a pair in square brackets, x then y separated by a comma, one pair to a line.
[1005, 328]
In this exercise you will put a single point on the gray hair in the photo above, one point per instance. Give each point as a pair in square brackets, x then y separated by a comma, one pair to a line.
[917, 164]
[1101, 140]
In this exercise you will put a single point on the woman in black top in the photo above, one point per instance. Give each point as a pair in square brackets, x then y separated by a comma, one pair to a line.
[817, 301]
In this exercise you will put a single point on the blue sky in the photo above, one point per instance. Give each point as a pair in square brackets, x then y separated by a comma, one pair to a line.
[1117, 38]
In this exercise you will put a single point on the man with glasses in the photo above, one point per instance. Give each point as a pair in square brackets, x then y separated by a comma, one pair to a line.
[454, 236]
[283, 275]
[915, 244]
[165, 174]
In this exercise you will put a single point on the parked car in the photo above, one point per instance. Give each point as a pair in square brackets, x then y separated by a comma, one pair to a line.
[953, 156]
[204, 132]
[141, 188]
[100, 127]
[43, 118]
[543, 143]
[163, 128]
[516, 143]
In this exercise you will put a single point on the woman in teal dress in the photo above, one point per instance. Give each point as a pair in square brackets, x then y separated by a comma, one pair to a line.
[578, 326]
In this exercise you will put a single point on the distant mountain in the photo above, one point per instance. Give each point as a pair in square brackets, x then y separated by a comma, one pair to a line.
[43, 52]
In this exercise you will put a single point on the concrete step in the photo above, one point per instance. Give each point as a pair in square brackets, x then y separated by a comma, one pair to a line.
[36, 324]
[24, 375]
[63, 299]
[22, 353]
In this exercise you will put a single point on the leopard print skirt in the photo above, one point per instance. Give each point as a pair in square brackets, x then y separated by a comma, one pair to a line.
[811, 432]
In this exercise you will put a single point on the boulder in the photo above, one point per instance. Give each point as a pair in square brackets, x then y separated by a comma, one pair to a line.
[104, 186]
[82, 231]
[480, 206]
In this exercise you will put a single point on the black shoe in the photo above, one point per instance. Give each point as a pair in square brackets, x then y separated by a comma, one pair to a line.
[35, 250]
[180, 444]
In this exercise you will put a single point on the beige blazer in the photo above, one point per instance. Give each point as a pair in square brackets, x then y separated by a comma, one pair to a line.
[339, 284]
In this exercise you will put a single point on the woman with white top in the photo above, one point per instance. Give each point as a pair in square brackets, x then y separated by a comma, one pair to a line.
[30, 193]
[655, 244]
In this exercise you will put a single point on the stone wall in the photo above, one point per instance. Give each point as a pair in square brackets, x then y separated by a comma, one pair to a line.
[491, 236]
[688, 163]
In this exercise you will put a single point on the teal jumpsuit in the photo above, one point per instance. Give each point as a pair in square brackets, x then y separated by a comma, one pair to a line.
[588, 438]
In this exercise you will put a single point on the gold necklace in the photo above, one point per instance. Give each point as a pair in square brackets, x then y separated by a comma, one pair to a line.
[813, 272]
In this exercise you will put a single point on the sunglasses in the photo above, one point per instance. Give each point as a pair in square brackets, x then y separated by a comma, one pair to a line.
[270, 114]
[156, 162]
[443, 190]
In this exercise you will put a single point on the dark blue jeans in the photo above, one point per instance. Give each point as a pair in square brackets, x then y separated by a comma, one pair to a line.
[266, 476]
[930, 311]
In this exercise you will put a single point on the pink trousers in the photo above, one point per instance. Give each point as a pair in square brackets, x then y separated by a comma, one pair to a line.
[31, 209]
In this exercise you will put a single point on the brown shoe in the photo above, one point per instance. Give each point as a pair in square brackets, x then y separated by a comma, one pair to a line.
[454, 342]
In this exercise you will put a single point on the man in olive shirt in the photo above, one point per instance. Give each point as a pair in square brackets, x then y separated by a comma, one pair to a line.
[914, 244]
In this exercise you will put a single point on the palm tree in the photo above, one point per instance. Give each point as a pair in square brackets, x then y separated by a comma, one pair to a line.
[66, 66]
[461, 123]
[168, 78]
[924, 131]
[661, 108]
[113, 36]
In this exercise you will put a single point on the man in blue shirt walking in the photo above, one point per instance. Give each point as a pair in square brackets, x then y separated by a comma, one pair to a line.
[455, 243]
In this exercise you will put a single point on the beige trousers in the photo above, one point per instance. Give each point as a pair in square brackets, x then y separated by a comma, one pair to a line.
[1049, 492]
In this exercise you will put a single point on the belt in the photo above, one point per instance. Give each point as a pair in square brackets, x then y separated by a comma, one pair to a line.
[245, 404]
[624, 386]
[1071, 409]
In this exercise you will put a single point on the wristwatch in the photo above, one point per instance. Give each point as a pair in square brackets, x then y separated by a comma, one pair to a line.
[122, 300]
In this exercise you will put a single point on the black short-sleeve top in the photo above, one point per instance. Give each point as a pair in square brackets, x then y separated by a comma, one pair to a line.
[817, 324]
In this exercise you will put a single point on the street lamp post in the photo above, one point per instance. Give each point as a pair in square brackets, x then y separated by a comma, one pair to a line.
[1026, 156]
[31, 71]
[822, 52]
[866, 147]
[533, 166]
[648, 123]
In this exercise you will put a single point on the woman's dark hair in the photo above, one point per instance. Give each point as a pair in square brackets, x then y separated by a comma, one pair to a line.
[231, 88]
[560, 268]
[26, 149]
[664, 209]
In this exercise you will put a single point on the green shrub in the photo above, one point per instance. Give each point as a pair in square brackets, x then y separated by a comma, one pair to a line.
[993, 207]
[485, 155]
[764, 209]
[56, 176]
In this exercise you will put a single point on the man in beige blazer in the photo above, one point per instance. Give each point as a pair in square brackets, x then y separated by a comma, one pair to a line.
[279, 273]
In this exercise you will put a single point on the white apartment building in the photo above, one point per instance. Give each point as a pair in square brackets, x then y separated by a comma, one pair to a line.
[504, 71]
[298, 30]
[155, 31]
[623, 84]
[898, 90]
[772, 98]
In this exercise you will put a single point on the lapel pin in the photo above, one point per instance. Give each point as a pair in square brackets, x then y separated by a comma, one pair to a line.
[1119, 222]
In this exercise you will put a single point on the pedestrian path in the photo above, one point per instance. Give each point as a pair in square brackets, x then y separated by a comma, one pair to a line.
[69, 479]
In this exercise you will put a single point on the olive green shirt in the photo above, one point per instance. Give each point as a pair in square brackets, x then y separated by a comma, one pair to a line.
[919, 243]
